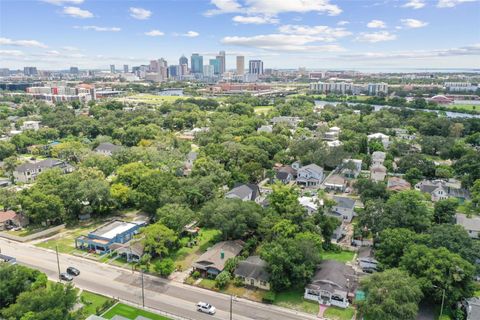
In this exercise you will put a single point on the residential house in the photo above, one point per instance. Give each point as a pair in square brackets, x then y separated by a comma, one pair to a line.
[384, 139]
[310, 175]
[265, 128]
[366, 260]
[443, 189]
[291, 121]
[30, 125]
[334, 283]
[351, 168]
[11, 219]
[472, 308]
[343, 208]
[245, 192]
[212, 262]
[332, 134]
[378, 172]
[471, 225]
[398, 184]
[188, 165]
[403, 134]
[253, 272]
[335, 182]
[132, 250]
[311, 204]
[334, 143]
[107, 148]
[285, 174]
[28, 172]
[378, 157]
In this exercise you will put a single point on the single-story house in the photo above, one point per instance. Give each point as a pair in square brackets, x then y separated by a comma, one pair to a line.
[101, 239]
[378, 172]
[335, 182]
[132, 250]
[334, 283]
[212, 262]
[343, 208]
[398, 184]
[285, 174]
[28, 172]
[366, 260]
[107, 148]
[11, 218]
[245, 192]
[311, 204]
[310, 175]
[253, 272]
[471, 225]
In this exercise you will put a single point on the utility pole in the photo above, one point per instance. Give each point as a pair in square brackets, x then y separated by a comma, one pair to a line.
[58, 262]
[443, 300]
[231, 306]
[143, 292]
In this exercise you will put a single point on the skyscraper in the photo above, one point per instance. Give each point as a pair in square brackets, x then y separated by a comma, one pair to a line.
[74, 70]
[240, 65]
[173, 71]
[255, 67]
[125, 68]
[154, 66]
[112, 68]
[30, 71]
[208, 70]
[163, 68]
[183, 60]
[221, 59]
[216, 65]
[196, 63]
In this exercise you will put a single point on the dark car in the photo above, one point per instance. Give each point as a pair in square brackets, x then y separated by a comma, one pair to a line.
[65, 276]
[73, 271]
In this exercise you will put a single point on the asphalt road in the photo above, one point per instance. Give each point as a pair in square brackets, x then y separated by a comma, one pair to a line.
[160, 294]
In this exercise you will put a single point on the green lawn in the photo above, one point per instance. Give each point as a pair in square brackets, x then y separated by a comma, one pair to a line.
[468, 107]
[262, 109]
[342, 256]
[335, 313]
[149, 98]
[131, 313]
[91, 302]
[293, 299]
[207, 284]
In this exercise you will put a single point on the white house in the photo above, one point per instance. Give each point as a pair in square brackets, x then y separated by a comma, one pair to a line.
[380, 136]
[310, 176]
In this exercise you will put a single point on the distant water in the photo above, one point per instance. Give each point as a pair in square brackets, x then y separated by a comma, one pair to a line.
[171, 92]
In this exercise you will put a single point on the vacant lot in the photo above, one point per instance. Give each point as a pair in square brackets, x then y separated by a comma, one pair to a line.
[293, 299]
[185, 256]
[92, 302]
[342, 256]
[335, 313]
[131, 313]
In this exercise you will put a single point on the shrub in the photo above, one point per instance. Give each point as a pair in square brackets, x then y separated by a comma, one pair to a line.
[269, 297]
[238, 282]
[222, 280]
[164, 267]
[196, 275]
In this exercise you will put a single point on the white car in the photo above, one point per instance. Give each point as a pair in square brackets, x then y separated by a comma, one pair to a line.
[206, 308]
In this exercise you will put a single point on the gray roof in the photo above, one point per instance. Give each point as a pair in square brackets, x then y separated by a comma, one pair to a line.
[472, 223]
[312, 167]
[344, 202]
[107, 146]
[378, 155]
[429, 186]
[333, 276]
[47, 163]
[473, 312]
[253, 267]
[212, 257]
[243, 190]
[282, 175]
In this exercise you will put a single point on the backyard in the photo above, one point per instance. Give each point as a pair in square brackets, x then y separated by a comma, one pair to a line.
[131, 313]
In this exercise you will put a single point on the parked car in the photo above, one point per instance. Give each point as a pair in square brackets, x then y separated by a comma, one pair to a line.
[65, 276]
[73, 271]
[206, 308]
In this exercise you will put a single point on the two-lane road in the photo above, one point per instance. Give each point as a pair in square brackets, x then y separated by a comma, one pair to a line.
[169, 296]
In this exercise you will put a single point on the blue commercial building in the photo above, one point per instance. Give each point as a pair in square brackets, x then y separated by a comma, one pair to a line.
[197, 63]
[102, 238]
[216, 65]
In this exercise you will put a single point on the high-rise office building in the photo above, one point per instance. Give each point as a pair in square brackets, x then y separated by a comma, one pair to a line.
[163, 68]
[125, 68]
[240, 65]
[4, 72]
[74, 70]
[183, 69]
[208, 70]
[154, 66]
[255, 67]
[183, 60]
[221, 59]
[112, 68]
[216, 65]
[30, 71]
[196, 63]
[173, 71]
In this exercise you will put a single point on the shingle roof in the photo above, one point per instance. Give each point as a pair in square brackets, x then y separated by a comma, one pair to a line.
[472, 223]
[344, 202]
[212, 257]
[243, 190]
[253, 267]
[47, 163]
[7, 215]
[107, 146]
[333, 275]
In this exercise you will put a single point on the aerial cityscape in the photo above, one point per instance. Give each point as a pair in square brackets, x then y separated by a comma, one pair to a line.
[240, 159]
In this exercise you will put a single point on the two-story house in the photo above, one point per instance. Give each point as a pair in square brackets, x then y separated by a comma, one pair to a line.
[310, 175]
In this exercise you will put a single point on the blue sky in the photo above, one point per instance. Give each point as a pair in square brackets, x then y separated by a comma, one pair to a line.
[317, 34]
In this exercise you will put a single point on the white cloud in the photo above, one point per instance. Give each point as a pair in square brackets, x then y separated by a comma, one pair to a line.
[274, 7]
[190, 34]
[415, 4]
[451, 3]
[69, 48]
[322, 33]
[62, 2]
[255, 20]
[77, 12]
[15, 53]
[22, 43]
[154, 33]
[99, 29]
[281, 42]
[413, 23]
[376, 36]
[378, 24]
[343, 22]
[140, 13]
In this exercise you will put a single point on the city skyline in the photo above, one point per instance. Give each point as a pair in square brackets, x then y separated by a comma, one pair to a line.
[317, 34]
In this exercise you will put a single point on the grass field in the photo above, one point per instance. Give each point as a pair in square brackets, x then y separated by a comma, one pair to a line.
[293, 299]
[185, 256]
[92, 301]
[131, 313]
[468, 107]
[342, 256]
[150, 99]
[262, 109]
[334, 313]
